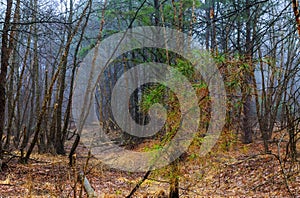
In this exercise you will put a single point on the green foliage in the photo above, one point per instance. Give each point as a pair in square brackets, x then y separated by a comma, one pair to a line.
[200, 85]
[118, 192]
[153, 94]
[187, 4]
[168, 10]
[157, 93]
[245, 66]
[198, 140]
[238, 104]
[144, 15]
[233, 84]
[154, 147]
[193, 156]
[221, 58]
[230, 140]
[85, 50]
[185, 68]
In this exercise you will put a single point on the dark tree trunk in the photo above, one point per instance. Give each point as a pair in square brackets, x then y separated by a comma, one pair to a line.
[157, 12]
[4, 65]
[208, 26]
[247, 97]
[247, 128]
[10, 99]
[174, 183]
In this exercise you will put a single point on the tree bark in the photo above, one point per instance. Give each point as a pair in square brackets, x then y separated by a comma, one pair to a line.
[5, 53]
[246, 89]
[12, 46]
[297, 14]
[174, 182]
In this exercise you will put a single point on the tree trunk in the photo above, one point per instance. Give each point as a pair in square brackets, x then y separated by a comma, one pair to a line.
[246, 89]
[174, 183]
[5, 53]
[17, 98]
[12, 46]
[208, 26]
[60, 136]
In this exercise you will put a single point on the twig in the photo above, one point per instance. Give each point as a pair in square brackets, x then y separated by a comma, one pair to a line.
[264, 183]
[181, 188]
[243, 160]
[84, 181]
[137, 186]
[281, 166]
[20, 157]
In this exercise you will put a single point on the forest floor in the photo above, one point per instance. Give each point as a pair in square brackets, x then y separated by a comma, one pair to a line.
[230, 170]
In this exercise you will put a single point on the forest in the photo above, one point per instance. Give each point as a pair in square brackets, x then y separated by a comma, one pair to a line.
[150, 98]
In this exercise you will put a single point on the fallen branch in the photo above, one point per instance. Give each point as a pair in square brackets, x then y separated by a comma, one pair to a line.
[137, 186]
[87, 186]
[246, 159]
